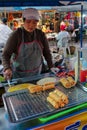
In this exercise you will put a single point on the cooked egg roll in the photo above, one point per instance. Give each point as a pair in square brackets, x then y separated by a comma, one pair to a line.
[36, 88]
[65, 99]
[49, 86]
[62, 95]
[53, 102]
[65, 82]
[32, 90]
[71, 80]
[55, 97]
[50, 83]
[62, 104]
[58, 92]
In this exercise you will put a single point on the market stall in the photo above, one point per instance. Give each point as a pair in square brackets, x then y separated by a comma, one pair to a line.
[30, 107]
[26, 110]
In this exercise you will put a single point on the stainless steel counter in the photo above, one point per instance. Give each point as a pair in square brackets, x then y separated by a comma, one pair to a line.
[5, 124]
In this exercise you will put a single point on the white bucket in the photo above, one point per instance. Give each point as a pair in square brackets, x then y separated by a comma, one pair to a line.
[72, 63]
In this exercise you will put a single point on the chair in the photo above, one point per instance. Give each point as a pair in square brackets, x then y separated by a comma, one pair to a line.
[65, 45]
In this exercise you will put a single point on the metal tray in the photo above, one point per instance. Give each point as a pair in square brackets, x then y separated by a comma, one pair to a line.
[82, 86]
[22, 105]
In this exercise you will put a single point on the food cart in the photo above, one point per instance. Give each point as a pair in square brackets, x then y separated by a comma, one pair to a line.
[26, 111]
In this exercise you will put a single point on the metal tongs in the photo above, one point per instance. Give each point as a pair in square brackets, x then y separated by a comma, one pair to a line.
[8, 81]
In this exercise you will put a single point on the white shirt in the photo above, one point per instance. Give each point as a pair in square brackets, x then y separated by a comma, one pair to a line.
[4, 33]
[63, 37]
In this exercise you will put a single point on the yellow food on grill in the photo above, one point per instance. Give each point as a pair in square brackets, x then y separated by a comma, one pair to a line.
[49, 83]
[19, 87]
[63, 96]
[57, 97]
[34, 89]
[71, 81]
[68, 82]
[48, 86]
[53, 102]
[65, 82]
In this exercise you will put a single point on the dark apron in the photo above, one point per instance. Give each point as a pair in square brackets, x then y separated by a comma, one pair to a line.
[28, 62]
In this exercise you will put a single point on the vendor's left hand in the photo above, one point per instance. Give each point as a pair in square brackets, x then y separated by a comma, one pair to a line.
[54, 70]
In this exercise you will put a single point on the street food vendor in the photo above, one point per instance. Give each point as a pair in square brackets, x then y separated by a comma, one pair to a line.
[22, 55]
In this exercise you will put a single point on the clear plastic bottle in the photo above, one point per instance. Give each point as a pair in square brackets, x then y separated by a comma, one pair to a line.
[78, 67]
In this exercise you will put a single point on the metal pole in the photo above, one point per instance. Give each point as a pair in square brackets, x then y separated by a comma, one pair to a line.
[81, 33]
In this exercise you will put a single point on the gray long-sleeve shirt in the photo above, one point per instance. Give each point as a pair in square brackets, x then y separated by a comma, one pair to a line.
[15, 40]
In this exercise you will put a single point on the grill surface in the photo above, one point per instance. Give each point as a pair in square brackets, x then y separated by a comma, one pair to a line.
[21, 105]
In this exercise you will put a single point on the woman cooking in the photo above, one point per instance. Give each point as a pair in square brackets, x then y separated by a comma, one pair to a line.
[22, 55]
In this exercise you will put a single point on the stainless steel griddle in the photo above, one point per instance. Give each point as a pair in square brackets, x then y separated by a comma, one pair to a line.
[21, 105]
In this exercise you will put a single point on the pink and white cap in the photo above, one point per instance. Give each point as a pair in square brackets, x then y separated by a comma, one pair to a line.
[31, 13]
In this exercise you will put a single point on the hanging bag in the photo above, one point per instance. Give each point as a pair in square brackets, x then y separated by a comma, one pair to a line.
[73, 34]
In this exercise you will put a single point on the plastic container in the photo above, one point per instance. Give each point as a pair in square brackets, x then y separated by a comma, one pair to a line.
[84, 64]
[83, 74]
[72, 62]
[78, 67]
[81, 70]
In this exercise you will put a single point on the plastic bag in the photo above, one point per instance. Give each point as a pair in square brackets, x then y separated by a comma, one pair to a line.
[73, 34]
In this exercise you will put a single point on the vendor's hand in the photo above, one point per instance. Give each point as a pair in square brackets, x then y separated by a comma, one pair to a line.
[8, 74]
[54, 70]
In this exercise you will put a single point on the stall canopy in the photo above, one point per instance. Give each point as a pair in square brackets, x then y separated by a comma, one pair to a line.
[60, 5]
[75, 5]
[5, 3]
[20, 4]
[29, 2]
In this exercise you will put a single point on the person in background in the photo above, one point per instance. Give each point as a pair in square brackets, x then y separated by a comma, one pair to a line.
[5, 31]
[63, 38]
[11, 25]
[76, 29]
[15, 24]
[22, 55]
[56, 25]
[62, 24]
[52, 25]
